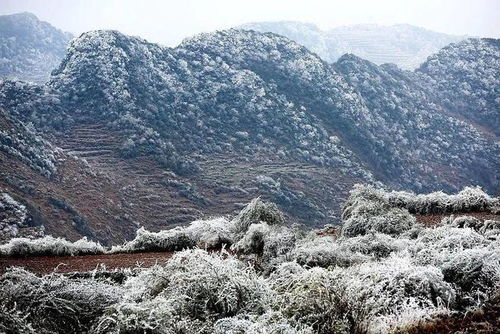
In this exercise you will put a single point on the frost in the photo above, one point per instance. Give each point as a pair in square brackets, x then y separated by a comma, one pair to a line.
[194, 287]
[367, 210]
[255, 212]
[310, 297]
[55, 302]
[376, 290]
[49, 245]
[13, 215]
[275, 278]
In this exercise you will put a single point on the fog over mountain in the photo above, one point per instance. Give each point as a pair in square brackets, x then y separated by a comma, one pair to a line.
[404, 45]
[29, 48]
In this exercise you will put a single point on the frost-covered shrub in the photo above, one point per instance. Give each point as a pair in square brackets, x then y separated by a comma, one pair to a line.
[367, 210]
[325, 252]
[272, 244]
[435, 245]
[375, 290]
[469, 199]
[278, 246]
[309, 297]
[168, 240]
[476, 272]
[211, 233]
[150, 316]
[368, 216]
[253, 240]
[345, 252]
[14, 321]
[192, 291]
[377, 245]
[13, 215]
[49, 245]
[255, 212]
[269, 322]
[489, 227]
[55, 303]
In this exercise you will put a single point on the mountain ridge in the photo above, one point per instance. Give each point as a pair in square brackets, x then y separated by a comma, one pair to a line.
[231, 115]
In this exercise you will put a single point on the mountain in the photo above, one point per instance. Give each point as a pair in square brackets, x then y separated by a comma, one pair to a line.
[402, 44]
[29, 48]
[168, 135]
[466, 75]
[418, 142]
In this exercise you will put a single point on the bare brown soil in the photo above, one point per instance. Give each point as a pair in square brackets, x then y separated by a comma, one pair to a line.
[433, 219]
[82, 263]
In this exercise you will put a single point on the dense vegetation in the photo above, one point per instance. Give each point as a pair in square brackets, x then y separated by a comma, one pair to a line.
[383, 273]
[465, 75]
[251, 94]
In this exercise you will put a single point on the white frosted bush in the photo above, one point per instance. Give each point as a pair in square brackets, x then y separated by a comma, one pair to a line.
[377, 245]
[393, 221]
[435, 245]
[269, 322]
[168, 240]
[408, 316]
[308, 296]
[489, 228]
[476, 272]
[367, 210]
[273, 244]
[57, 303]
[255, 212]
[469, 199]
[325, 252]
[13, 319]
[345, 252]
[49, 245]
[150, 316]
[387, 288]
[211, 233]
[193, 290]
[252, 242]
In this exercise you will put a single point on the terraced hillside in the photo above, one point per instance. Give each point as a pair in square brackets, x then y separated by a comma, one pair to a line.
[404, 45]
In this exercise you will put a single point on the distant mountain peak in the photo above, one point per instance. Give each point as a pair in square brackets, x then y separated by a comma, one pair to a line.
[31, 48]
[402, 44]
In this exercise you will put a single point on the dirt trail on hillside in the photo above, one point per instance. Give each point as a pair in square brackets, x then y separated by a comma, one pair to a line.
[67, 264]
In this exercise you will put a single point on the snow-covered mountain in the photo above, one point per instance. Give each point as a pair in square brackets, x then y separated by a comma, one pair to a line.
[466, 76]
[234, 114]
[404, 45]
[29, 48]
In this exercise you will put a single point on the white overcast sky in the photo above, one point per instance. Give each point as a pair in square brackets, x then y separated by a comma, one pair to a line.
[168, 21]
